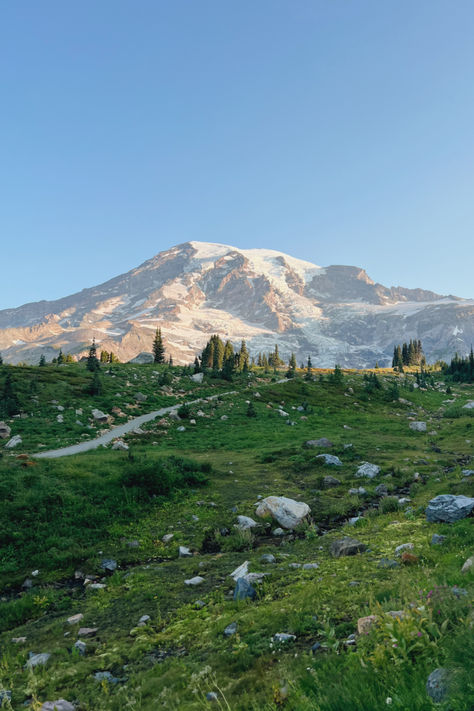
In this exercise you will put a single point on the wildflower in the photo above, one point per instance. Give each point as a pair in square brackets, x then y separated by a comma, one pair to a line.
[388, 700]
[419, 634]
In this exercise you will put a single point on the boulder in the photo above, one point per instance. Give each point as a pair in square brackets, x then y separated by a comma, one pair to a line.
[418, 426]
[140, 397]
[322, 442]
[404, 547]
[388, 563]
[437, 539]
[197, 377]
[347, 546]
[437, 685]
[287, 512]
[467, 472]
[268, 558]
[100, 416]
[184, 552]
[381, 490]
[368, 470]
[4, 430]
[469, 405]
[80, 646]
[75, 619]
[167, 537]
[36, 660]
[109, 565]
[449, 508]
[330, 459]
[230, 629]
[245, 522]
[468, 565]
[59, 705]
[278, 532]
[13, 442]
[197, 580]
[244, 590]
[364, 624]
[241, 571]
[120, 445]
[330, 481]
[87, 631]
[284, 637]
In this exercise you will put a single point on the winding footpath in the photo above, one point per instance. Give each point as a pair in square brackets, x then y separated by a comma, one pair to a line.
[119, 430]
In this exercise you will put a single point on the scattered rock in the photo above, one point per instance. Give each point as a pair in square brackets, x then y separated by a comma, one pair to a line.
[287, 512]
[278, 532]
[245, 522]
[80, 646]
[106, 676]
[140, 397]
[87, 631]
[197, 580]
[197, 377]
[5, 696]
[4, 430]
[100, 416]
[109, 565]
[120, 445]
[241, 571]
[468, 565]
[230, 629]
[181, 429]
[75, 619]
[184, 552]
[211, 695]
[347, 546]
[18, 640]
[364, 624]
[330, 481]
[330, 459]
[144, 619]
[284, 637]
[368, 470]
[268, 558]
[36, 660]
[243, 590]
[381, 490]
[13, 442]
[388, 563]
[59, 705]
[323, 442]
[449, 508]
[310, 566]
[167, 537]
[404, 547]
[469, 405]
[437, 685]
[418, 426]
[467, 472]
[437, 539]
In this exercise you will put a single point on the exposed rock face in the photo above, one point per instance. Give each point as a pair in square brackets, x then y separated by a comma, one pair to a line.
[337, 314]
[287, 512]
[4, 431]
[449, 508]
[347, 546]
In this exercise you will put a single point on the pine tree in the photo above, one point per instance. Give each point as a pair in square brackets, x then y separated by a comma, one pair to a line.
[309, 366]
[243, 358]
[170, 361]
[158, 348]
[95, 387]
[9, 403]
[92, 363]
[42, 360]
[60, 359]
[229, 367]
[291, 372]
[251, 411]
[1, 359]
[197, 365]
[218, 354]
[228, 351]
[104, 357]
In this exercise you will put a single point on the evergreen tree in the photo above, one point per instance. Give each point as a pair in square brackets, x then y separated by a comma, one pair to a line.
[229, 367]
[309, 367]
[265, 363]
[259, 360]
[42, 360]
[243, 357]
[197, 365]
[104, 357]
[9, 403]
[228, 351]
[158, 348]
[336, 376]
[251, 411]
[68, 358]
[1, 359]
[218, 354]
[291, 372]
[60, 358]
[92, 363]
[95, 387]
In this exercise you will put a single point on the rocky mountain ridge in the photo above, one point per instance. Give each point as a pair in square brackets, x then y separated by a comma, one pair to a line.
[334, 314]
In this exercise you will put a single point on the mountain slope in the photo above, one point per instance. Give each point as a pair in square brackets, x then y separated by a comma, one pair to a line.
[194, 289]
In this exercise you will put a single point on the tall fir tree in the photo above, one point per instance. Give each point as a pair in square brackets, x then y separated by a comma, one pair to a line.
[158, 348]
[42, 361]
[92, 363]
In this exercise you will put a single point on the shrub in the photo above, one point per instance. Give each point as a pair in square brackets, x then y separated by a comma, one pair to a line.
[389, 504]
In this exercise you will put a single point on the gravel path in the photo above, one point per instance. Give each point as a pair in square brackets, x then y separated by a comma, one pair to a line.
[118, 431]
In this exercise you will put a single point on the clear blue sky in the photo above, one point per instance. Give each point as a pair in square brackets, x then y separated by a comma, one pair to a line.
[341, 132]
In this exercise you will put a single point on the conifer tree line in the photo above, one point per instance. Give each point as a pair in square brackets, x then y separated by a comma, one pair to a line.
[461, 369]
[408, 354]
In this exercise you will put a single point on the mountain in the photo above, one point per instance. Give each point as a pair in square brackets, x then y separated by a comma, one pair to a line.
[335, 313]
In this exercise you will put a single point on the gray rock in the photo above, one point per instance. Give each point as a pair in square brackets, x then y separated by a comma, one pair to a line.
[241, 571]
[144, 619]
[109, 565]
[197, 580]
[358, 492]
[310, 566]
[87, 632]
[330, 459]
[387, 563]
[5, 696]
[347, 546]
[167, 537]
[244, 590]
[352, 521]
[106, 676]
[330, 481]
[181, 428]
[36, 660]
[437, 685]
[199, 604]
[184, 552]
[197, 377]
[120, 445]
[140, 397]
[469, 405]
[316, 646]
[287, 512]
[404, 547]
[381, 490]
[212, 696]
[418, 426]
[75, 619]
[230, 629]
[368, 470]
[59, 705]
[284, 637]
[4, 430]
[322, 442]
[278, 532]
[80, 646]
[245, 522]
[467, 472]
[100, 416]
[449, 508]
[468, 565]
[437, 539]
[13, 442]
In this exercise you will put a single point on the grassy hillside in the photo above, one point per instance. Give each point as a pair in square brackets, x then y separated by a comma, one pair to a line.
[64, 517]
